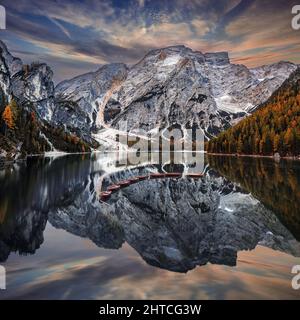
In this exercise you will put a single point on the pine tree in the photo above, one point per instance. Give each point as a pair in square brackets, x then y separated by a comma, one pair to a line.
[288, 140]
[276, 142]
[240, 145]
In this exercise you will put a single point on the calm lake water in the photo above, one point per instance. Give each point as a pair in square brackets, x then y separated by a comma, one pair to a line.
[232, 234]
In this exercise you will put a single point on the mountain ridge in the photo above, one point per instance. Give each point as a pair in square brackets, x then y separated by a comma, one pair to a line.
[148, 96]
[172, 86]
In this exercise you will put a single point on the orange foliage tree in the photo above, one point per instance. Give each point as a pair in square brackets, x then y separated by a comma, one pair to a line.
[8, 118]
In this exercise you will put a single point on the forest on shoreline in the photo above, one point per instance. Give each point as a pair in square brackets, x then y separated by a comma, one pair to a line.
[273, 128]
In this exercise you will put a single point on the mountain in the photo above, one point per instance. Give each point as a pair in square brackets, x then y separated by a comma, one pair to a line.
[273, 128]
[28, 108]
[174, 86]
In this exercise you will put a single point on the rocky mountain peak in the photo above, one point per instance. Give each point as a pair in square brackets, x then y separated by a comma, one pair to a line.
[35, 81]
[217, 58]
[174, 86]
[177, 52]
[8, 62]
[27, 83]
[28, 90]
[162, 89]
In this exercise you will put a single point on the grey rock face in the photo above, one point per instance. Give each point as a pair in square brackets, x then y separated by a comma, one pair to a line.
[67, 114]
[178, 86]
[174, 85]
[35, 85]
[217, 59]
[8, 66]
[33, 89]
[28, 84]
[87, 91]
[12, 64]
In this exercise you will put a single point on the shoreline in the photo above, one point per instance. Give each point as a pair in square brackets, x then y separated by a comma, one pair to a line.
[295, 158]
[5, 162]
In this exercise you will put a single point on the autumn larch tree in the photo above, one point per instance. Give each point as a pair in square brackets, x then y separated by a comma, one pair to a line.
[8, 118]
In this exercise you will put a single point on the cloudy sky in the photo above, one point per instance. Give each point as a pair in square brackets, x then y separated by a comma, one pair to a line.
[75, 36]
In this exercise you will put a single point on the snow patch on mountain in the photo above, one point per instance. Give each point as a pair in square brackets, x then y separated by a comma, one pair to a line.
[227, 103]
[172, 60]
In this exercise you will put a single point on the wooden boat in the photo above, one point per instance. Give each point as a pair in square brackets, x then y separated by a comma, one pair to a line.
[142, 177]
[113, 187]
[195, 175]
[105, 195]
[157, 175]
[124, 183]
[173, 174]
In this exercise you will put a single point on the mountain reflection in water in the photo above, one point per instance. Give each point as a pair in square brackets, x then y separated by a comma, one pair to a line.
[173, 224]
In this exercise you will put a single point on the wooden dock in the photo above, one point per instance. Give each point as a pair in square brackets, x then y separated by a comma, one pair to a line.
[105, 195]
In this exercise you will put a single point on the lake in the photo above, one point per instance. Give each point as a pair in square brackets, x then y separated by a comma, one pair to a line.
[233, 233]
